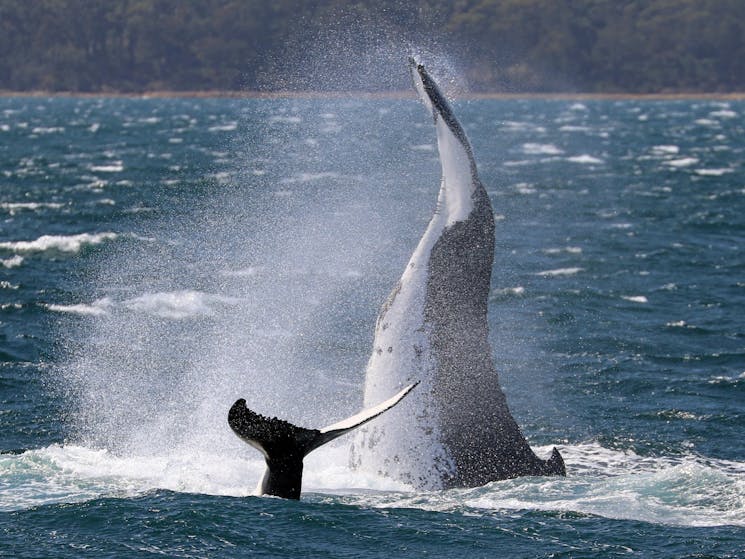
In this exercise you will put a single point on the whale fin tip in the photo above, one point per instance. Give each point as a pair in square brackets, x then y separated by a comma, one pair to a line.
[555, 464]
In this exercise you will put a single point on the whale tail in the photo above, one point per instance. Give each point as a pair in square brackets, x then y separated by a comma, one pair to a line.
[284, 445]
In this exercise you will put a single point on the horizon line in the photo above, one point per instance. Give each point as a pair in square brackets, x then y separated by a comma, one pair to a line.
[403, 94]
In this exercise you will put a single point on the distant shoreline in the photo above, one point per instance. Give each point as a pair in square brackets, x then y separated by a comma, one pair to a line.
[217, 94]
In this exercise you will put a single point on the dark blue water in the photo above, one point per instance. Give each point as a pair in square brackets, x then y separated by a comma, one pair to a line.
[161, 258]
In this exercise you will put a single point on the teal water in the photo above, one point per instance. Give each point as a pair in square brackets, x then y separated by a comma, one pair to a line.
[161, 258]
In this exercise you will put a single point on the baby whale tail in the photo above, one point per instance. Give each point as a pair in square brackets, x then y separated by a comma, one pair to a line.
[284, 445]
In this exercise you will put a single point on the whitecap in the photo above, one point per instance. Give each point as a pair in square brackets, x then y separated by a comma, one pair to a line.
[63, 243]
[578, 107]
[568, 249]
[560, 272]
[525, 188]
[706, 122]
[671, 490]
[227, 127]
[13, 207]
[682, 162]
[68, 474]
[540, 149]
[178, 305]
[635, 298]
[517, 126]
[585, 159]
[679, 490]
[47, 130]
[114, 167]
[712, 172]
[519, 290]
[666, 149]
[12, 262]
[97, 308]
[724, 113]
[574, 128]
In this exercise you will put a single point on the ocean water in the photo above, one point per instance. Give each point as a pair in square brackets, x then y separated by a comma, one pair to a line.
[160, 258]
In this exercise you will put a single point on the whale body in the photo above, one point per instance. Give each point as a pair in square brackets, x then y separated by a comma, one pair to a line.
[284, 445]
[457, 430]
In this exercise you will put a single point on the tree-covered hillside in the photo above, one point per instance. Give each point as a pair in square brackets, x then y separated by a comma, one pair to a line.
[497, 45]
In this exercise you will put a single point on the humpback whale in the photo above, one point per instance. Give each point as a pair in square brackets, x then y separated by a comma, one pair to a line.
[284, 445]
[457, 430]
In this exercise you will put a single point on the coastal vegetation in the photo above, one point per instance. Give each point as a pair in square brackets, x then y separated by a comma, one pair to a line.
[610, 46]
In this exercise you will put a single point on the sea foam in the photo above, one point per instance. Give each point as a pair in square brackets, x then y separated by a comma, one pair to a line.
[685, 490]
[62, 243]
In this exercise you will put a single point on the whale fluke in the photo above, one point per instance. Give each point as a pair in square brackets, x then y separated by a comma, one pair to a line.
[285, 445]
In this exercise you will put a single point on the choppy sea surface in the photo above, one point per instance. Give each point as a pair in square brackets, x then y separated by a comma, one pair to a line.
[160, 258]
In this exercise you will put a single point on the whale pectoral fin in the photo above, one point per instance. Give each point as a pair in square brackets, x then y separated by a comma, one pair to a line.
[268, 434]
[337, 429]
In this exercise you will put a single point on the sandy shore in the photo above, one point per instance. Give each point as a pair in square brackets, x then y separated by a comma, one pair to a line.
[734, 96]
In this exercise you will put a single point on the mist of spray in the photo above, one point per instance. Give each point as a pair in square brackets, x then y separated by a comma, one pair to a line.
[266, 288]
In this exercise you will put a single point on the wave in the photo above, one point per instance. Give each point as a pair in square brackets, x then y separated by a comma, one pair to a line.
[174, 305]
[560, 272]
[686, 490]
[14, 207]
[12, 262]
[666, 149]
[585, 159]
[541, 149]
[226, 127]
[682, 162]
[47, 130]
[519, 126]
[635, 298]
[507, 291]
[61, 243]
[723, 113]
[178, 305]
[574, 128]
[115, 167]
[678, 491]
[713, 172]
[97, 308]
[568, 249]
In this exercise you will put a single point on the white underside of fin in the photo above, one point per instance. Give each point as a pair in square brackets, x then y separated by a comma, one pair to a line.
[367, 414]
